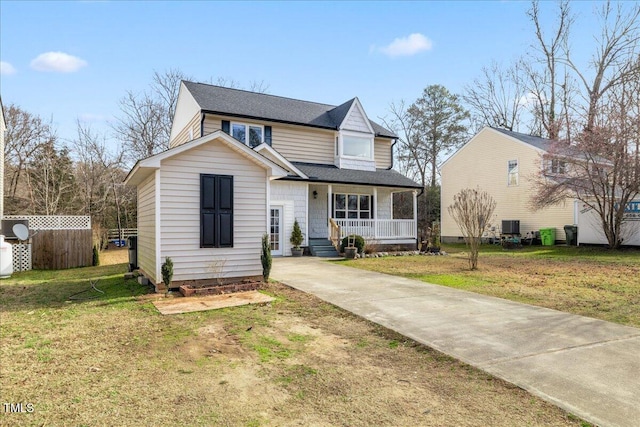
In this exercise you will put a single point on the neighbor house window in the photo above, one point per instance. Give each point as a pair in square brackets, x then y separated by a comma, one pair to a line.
[216, 211]
[352, 206]
[558, 167]
[357, 146]
[512, 170]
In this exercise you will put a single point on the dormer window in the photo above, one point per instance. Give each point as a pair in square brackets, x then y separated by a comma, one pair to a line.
[252, 135]
[357, 145]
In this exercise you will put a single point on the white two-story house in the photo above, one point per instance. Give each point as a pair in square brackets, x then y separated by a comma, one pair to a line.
[242, 164]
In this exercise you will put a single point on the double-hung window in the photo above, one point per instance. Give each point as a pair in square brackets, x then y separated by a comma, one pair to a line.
[558, 167]
[248, 133]
[352, 206]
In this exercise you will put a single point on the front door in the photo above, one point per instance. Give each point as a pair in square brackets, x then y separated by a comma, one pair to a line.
[275, 234]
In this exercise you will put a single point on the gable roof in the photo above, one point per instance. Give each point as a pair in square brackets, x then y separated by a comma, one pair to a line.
[536, 141]
[332, 174]
[252, 105]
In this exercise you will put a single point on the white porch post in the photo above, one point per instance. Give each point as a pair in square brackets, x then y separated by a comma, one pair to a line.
[415, 213]
[375, 212]
[329, 197]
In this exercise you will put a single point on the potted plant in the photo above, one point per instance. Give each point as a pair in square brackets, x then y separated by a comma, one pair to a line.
[351, 245]
[296, 240]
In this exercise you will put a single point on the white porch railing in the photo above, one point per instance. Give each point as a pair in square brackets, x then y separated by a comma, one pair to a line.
[378, 228]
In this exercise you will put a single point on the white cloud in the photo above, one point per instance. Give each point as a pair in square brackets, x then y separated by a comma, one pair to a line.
[407, 46]
[7, 69]
[58, 62]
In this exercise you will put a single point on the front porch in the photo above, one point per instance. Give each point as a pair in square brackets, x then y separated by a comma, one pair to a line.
[336, 211]
[390, 230]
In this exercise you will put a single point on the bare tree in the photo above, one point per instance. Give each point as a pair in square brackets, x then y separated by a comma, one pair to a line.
[498, 97]
[100, 172]
[411, 158]
[26, 135]
[601, 168]
[545, 87]
[615, 59]
[51, 181]
[472, 210]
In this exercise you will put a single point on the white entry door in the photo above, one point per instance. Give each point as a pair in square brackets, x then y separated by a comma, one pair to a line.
[276, 230]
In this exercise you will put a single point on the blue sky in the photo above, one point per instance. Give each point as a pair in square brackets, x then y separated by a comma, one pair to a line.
[74, 60]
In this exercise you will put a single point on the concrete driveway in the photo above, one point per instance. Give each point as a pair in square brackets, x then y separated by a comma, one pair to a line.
[589, 367]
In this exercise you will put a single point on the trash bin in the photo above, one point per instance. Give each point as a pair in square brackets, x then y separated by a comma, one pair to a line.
[133, 252]
[548, 236]
[571, 231]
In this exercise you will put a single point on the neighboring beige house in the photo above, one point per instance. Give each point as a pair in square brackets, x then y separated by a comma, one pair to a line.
[504, 164]
[242, 164]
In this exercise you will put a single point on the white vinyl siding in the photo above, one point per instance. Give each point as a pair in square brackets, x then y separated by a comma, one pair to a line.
[356, 121]
[180, 233]
[189, 132]
[147, 227]
[186, 110]
[292, 196]
[483, 162]
[295, 143]
[382, 153]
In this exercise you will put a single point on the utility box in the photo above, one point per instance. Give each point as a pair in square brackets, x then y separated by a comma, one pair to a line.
[133, 252]
[511, 226]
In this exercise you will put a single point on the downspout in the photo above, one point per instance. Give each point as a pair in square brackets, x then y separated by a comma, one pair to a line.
[395, 141]
[202, 124]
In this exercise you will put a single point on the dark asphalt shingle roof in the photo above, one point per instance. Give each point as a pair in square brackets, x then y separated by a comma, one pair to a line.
[536, 141]
[241, 103]
[379, 177]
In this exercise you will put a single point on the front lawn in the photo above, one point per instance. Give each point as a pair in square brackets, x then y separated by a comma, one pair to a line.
[110, 359]
[588, 281]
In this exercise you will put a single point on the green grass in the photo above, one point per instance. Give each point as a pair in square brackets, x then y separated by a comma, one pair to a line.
[589, 281]
[110, 355]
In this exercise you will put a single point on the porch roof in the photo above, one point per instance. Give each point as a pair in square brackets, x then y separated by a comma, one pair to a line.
[332, 174]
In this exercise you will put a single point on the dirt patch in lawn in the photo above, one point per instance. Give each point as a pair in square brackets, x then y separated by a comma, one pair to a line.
[295, 361]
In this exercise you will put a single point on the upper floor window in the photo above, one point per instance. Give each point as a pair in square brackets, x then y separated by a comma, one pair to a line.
[558, 167]
[252, 135]
[512, 172]
[357, 145]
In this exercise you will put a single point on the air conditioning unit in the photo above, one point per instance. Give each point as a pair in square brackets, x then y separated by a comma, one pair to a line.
[510, 226]
[7, 227]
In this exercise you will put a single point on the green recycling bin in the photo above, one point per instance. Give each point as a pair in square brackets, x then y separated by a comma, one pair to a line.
[548, 236]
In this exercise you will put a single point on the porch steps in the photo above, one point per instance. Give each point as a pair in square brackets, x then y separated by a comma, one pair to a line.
[322, 248]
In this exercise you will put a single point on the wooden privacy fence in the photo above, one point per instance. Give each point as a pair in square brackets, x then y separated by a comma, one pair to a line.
[55, 242]
[60, 249]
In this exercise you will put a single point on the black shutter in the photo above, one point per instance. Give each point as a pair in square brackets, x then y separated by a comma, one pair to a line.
[226, 127]
[225, 211]
[216, 211]
[267, 135]
[207, 211]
